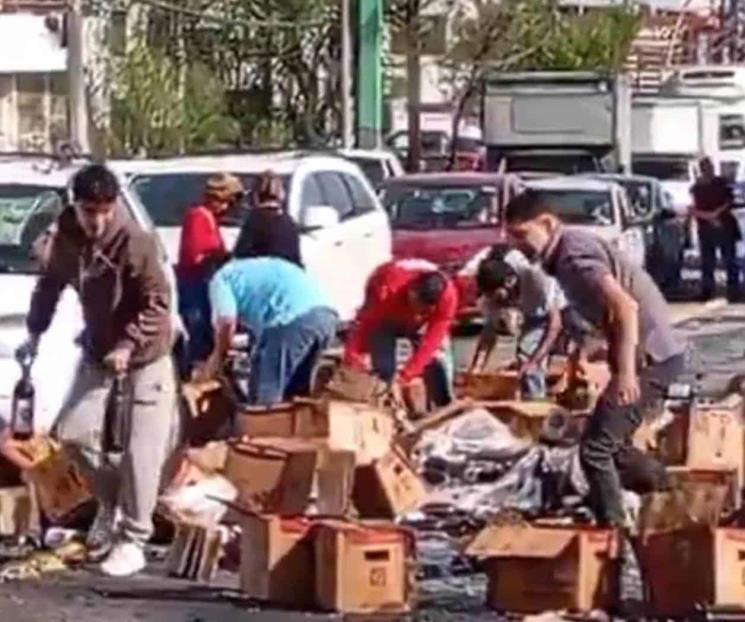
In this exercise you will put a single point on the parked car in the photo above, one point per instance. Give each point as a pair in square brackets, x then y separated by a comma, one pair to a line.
[445, 218]
[665, 231]
[345, 232]
[677, 174]
[599, 206]
[378, 165]
[33, 192]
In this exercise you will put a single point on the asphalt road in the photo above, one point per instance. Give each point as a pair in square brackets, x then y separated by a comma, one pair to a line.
[717, 338]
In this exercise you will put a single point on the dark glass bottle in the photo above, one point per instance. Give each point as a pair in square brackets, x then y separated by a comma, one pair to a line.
[117, 417]
[22, 409]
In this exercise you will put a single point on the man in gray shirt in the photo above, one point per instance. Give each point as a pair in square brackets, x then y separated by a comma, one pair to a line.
[621, 300]
[506, 278]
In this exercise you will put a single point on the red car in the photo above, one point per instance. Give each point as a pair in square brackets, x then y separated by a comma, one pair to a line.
[447, 218]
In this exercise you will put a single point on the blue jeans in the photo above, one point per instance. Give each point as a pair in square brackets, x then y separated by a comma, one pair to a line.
[285, 356]
[533, 382]
[438, 377]
[194, 309]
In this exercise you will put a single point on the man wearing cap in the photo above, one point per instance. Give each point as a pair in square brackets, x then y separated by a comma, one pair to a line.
[201, 252]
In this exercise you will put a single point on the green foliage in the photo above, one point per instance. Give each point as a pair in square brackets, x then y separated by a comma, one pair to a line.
[535, 35]
[596, 40]
[160, 108]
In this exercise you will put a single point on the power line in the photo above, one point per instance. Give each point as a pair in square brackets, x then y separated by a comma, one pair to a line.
[251, 23]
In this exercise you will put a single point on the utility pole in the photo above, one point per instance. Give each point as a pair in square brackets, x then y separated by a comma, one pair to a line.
[76, 77]
[370, 74]
[347, 131]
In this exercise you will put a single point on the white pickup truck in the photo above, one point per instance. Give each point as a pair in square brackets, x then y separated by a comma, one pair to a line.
[601, 207]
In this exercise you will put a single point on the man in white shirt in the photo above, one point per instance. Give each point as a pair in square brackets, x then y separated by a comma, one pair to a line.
[506, 278]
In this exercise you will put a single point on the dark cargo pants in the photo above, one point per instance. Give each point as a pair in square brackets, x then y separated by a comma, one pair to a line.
[608, 457]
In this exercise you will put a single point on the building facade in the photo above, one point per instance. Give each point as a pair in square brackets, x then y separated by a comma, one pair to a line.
[33, 75]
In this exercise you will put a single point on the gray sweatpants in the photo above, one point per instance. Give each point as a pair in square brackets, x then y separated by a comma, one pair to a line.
[134, 482]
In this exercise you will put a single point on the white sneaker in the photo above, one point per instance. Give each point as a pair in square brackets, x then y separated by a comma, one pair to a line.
[100, 536]
[125, 559]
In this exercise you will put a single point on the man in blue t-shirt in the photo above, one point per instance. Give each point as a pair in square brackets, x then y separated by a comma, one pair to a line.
[288, 316]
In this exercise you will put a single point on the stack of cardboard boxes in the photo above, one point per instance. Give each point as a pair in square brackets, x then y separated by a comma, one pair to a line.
[689, 559]
[318, 482]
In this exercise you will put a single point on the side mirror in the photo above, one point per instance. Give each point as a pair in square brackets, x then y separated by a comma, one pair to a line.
[320, 217]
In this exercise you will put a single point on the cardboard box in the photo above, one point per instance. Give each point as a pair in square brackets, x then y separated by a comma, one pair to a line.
[502, 384]
[683, 476]
[363, 568]
[695, 566]
[277, 561]
[352, 385]
[533, 420]
[195, 552]
[16, 511]
[357, 427]
[210, 407]
[58, 482]
[290, 477]
[716, 437]
[388, 487]
[671, 510]
[531, 570]
[581, 394]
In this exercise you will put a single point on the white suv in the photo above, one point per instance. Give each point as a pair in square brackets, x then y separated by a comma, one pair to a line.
[345, 231]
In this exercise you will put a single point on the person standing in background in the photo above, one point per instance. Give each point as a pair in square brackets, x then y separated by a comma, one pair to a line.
[201, 252]
[269, 231]
[717, 230]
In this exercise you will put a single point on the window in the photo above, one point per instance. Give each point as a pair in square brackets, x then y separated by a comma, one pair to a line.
[310, 195]
[445, 207]
[26, 212]
[32, 117]
[336, 194]
[580, 207]
[362, 202]
[58, 126]
[167, 196]
[731, 131]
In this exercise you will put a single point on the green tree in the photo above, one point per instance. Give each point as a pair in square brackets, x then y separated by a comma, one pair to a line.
[492, 35]
[598, 40]
[159, 108]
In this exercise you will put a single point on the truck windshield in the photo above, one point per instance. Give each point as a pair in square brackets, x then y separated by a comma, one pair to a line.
[451, 207]
[663, 169]
[580, 207]
[26, 211]
[559, 164]
[167, 196]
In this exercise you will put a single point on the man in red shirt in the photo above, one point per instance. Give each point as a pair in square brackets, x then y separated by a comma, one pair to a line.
[407, 299]
[201, 252]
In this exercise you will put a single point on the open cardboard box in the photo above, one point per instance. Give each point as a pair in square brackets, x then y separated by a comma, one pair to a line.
[389, 487]
[363, 429]
[537, 569]
[290, 476]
